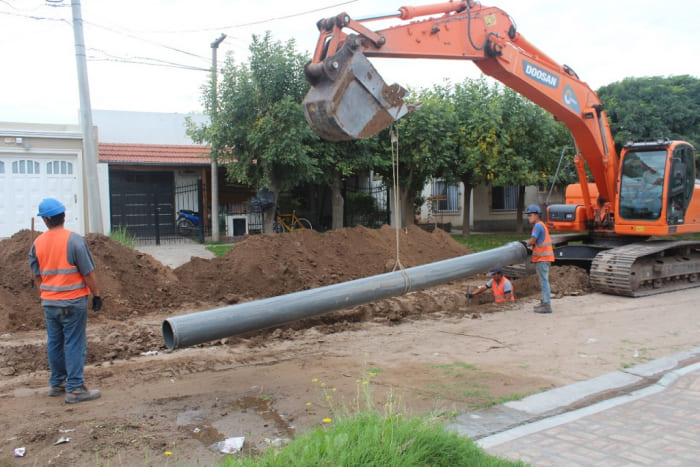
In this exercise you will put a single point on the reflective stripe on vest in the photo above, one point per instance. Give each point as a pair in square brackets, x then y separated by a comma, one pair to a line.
[543, 251]
[498, 294]
[60, 280]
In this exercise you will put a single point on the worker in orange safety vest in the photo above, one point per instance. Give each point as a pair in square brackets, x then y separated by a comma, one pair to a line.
[64, 272]
[501, 286]
[542, 255]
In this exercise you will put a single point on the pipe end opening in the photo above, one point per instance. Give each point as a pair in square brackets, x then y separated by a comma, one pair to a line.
[168, 335]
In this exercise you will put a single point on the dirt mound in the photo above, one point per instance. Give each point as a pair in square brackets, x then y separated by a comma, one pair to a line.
[270, 265]
[134, 283]
[563, 280]
[131, 282]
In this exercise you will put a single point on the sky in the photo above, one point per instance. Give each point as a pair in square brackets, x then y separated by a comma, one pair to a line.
[155, 55]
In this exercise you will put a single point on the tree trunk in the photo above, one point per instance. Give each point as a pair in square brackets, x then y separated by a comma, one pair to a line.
[407, 211]
[466, 205]
[337, 202]
[521, 203]
[269, 214]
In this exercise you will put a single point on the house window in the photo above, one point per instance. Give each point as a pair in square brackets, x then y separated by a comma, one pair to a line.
[25, 167]
[445, 196]
[59, 168]
[504, 198]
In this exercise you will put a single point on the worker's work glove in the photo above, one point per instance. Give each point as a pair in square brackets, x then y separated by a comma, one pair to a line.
[524, 242]
[96, 303]
[469, 295]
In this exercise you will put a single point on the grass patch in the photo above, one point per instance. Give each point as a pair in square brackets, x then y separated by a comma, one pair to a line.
[367, 438]
[482, 242]
[464, 382]
[219, 249]
[122, 235]
[485, 241]
[363, 434]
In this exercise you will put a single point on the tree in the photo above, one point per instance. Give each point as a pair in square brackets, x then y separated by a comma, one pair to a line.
[422, 144]
[533, 142]
[337, 161]
[479, 145]
[259, 129]
[653, 107]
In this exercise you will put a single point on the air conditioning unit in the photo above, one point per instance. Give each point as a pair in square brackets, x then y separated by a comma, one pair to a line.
[236, 225]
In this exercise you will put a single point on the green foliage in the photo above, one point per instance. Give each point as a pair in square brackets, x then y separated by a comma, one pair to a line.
[425, 143]
[370, 439]
[482, 242]
[653, 107]
[362, 205]
[532, 139]
[122, 235]
[259, 127]
[219, 249]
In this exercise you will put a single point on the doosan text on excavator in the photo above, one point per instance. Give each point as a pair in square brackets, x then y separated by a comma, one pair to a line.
[625, 219]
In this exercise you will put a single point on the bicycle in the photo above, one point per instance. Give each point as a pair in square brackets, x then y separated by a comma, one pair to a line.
[289, 222]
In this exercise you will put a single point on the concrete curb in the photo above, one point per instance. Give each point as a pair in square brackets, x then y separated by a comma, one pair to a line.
[556, 406]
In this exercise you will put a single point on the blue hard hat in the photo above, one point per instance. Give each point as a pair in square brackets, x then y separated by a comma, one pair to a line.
[495, 271]
[533, 209]
[50, 207]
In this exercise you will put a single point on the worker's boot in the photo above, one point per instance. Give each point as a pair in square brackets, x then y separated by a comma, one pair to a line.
[57, 390]
[82, 394]
[543, 308]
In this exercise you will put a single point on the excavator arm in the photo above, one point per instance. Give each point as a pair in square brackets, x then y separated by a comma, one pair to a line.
[348, 99]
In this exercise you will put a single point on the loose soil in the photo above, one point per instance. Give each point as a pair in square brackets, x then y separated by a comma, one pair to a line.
[425, 352]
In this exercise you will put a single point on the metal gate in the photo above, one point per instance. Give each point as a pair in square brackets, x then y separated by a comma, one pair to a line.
[145, 204]
[368, 206]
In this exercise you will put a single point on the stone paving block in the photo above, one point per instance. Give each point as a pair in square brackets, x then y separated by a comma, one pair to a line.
[654, 427]
[559, 398]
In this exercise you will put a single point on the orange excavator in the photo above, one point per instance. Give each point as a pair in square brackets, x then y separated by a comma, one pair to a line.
[621, 220]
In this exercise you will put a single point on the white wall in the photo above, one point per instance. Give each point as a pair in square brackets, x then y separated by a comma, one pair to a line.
[115, 126]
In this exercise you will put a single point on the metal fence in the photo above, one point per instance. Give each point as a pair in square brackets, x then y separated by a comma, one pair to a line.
[368, 206]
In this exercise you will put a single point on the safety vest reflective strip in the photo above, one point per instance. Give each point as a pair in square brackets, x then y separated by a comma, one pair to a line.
[543, 251]
[498, 293]
[60, 280]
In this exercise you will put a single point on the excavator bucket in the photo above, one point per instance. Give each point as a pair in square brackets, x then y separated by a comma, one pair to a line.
[348, 99]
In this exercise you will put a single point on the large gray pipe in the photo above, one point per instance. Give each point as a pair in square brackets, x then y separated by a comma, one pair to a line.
[196, 328]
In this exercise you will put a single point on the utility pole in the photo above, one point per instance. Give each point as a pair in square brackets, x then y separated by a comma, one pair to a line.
[214, 166]
[89, 144]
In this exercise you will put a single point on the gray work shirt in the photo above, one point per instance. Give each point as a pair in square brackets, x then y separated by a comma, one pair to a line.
[78, 255]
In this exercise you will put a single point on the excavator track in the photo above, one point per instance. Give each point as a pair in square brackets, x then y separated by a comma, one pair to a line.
[646, 268]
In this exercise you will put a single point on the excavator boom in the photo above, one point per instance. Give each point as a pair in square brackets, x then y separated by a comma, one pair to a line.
[349, 99]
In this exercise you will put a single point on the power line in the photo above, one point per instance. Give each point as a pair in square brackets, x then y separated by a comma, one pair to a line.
[252, 23]
[70, 23]
[175, 49]
[153, 61]
[145, 62]
[140, 60]
[34, 17]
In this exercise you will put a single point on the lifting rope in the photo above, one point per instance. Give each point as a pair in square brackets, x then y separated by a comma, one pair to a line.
[397, 200]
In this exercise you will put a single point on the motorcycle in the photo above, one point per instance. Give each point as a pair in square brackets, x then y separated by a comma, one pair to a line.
[187, 223]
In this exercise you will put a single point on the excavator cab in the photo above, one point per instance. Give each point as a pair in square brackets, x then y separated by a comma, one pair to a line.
[348, 99]
[656, 179]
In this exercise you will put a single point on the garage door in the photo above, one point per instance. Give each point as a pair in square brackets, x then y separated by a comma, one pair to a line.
[26, 179]
[138, 198]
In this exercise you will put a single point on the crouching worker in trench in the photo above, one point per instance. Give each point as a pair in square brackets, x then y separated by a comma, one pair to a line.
[501, 286]
[64, 273]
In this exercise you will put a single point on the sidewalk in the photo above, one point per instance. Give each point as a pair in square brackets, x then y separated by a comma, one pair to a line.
[176, 254]
[645, 415]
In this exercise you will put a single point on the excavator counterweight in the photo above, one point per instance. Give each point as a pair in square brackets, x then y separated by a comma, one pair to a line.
[348, 99]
